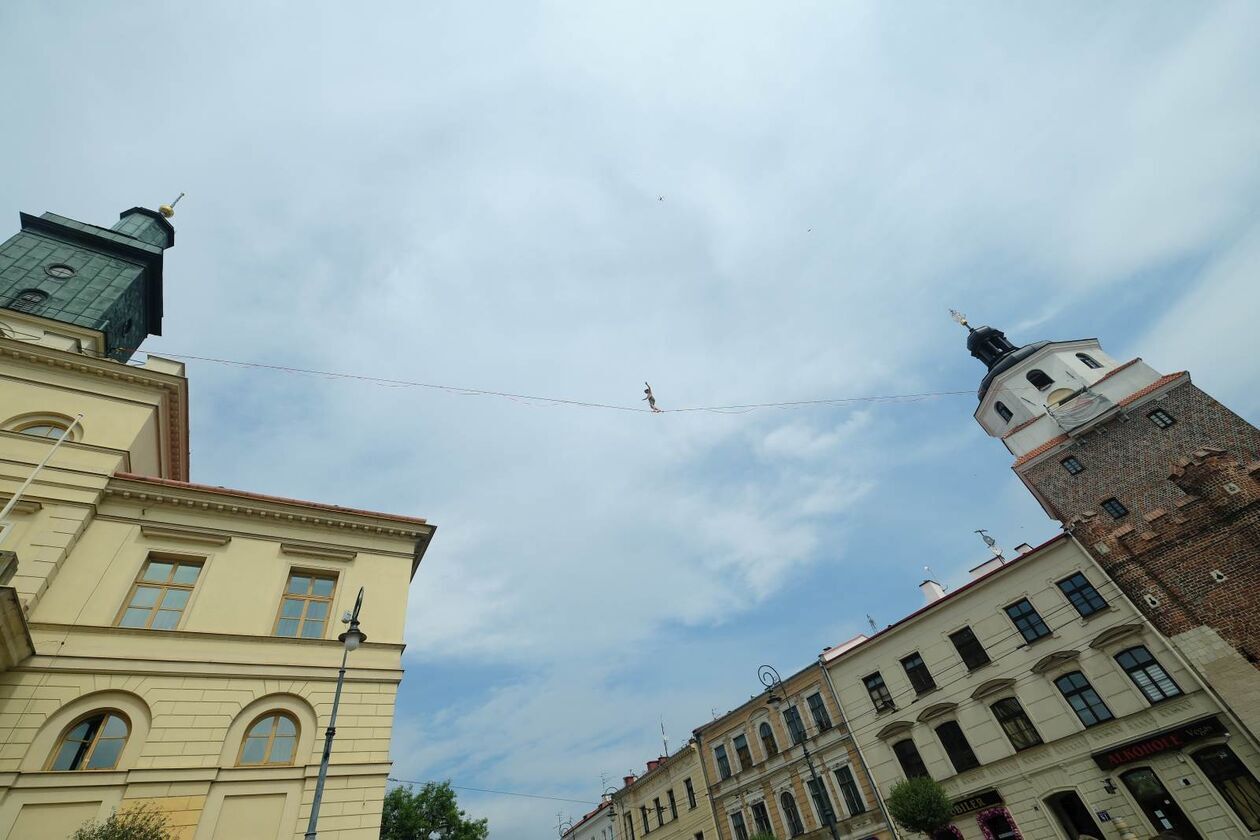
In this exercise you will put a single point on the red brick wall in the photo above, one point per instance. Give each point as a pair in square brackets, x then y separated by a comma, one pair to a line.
[1193, 496]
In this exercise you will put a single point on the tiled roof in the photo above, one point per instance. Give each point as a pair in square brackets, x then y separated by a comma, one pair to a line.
[206, 488]
[1045, 447]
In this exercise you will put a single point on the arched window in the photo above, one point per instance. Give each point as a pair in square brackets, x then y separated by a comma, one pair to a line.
[1089, 361]
[27, 300]
[767, 739]
[1002, 411]
[93, 742]
[272, 739]
[1039, 379]
[791, 816]
[44, 430]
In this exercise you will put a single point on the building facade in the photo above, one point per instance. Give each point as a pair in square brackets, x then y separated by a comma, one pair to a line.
[598, 824]
[784, 764]
[168, 642]
[1157, 479]
[668, 802]
[1049, 709]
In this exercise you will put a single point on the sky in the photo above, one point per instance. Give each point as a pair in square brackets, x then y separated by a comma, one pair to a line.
[739, 203]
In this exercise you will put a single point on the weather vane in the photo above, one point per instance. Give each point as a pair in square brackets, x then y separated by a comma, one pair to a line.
[959, 317]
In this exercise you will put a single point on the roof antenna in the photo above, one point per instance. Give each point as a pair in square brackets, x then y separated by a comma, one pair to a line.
[664, 740]
[991, 543]
[168, 210]
[871, 622]
[927, 570]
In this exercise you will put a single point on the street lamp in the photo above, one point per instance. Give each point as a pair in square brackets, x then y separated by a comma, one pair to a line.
[612, 811]
[351, 639]
[775, 695]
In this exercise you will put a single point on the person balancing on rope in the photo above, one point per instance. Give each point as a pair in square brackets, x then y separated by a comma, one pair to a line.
[651, 398]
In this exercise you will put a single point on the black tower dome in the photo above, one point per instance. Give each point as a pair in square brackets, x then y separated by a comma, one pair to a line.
[992, 347]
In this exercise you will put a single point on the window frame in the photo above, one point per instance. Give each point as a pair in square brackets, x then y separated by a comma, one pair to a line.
[104, 713]
[723, 762]
[1015, 718]
[176, 561]
[919, 674]
[881, 697]
[1160, 421]
[1110, 507]
[769, 743]
[904, 757]
[979, 646]
[1089, 361]
[1073, 465]
[271, 739]
[1143, 668]
[739, 827]
[314, 574]
[742, 754]
[1025, 617]
[673, 804]
[792, 820]
[1082, 587]
[1002, 411]
[845, 795]
[1047, 379]
[820, 799]
[1084, 690]
[957, 744]
[1197, 756]
[795, 725]
[758, 818]
[822, 718]
[691, 793]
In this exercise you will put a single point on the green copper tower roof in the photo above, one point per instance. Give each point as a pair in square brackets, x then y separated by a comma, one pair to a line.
[106, 279]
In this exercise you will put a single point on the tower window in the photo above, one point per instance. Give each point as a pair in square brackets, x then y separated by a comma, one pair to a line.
[1039, 379]
[1002, 411]
[59, 271]
[1161, 418]
[1089, 361]
[1073, 466]
[1113, 507]
[28, 300]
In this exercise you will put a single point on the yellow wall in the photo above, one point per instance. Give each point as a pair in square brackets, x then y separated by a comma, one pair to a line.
[671, 775]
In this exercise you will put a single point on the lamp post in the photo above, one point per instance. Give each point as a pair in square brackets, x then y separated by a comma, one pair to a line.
[775, 695]
[351, 639]
[612, 811]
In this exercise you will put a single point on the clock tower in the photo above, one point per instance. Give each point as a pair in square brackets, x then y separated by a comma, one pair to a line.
[1158, 480]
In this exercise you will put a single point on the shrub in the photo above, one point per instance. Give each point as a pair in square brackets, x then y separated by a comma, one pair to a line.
[143, 822]
[920, 804]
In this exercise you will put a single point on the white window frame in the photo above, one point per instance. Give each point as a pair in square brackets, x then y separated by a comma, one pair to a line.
[856, 781]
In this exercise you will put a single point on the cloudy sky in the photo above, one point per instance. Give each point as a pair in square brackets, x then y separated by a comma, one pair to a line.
[740, 203]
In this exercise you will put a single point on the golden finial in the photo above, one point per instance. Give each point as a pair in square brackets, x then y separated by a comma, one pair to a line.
[959, 317]
[168, 210]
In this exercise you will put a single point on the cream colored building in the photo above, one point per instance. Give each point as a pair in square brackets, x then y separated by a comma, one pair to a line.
[668, 802]
[1046, 706]
[165, 641]
[781, 762]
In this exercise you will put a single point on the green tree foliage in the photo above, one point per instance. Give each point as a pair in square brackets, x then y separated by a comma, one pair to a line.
[920, 804]
[416, 814]
[143, 822]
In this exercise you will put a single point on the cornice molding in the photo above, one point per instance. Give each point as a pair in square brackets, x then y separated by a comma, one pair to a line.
[161, 532]
[318, 551]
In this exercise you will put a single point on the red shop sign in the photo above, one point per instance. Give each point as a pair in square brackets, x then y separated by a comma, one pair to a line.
[1169, 739]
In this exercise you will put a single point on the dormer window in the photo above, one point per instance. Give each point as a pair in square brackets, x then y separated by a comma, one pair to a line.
[1089, 361]
[1003, 412]
[1039, 379]
[28, 300]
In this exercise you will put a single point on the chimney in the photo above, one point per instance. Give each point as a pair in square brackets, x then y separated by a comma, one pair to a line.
[987, 566]
[653, 764]
[628, 780]
[932, 591]
[1023, 548]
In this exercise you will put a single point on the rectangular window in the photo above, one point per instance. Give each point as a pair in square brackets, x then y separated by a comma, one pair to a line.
[629, 827]
[742, 752]
[737, 823]
[956, 746]
[673, 804]
[1082, 594]
[1073, 466]
[796, 726]
[1015, 724]
[909, 759]
[306, 604]
[969, 648]
[822, 800]
[691, 793]
[1027, 621]
[660, 812]
[1161, 418]
[849, 790]
[643, 815]
[761, 818]
[879, 692]
[1081, 696]
[1234, 781]
[818, 709]
[1115, 509]
[723, 763]
[1147, 674]
[160, 594]
[918, 673]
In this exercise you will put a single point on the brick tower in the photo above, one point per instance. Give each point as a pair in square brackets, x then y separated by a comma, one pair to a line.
[1159, 481]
